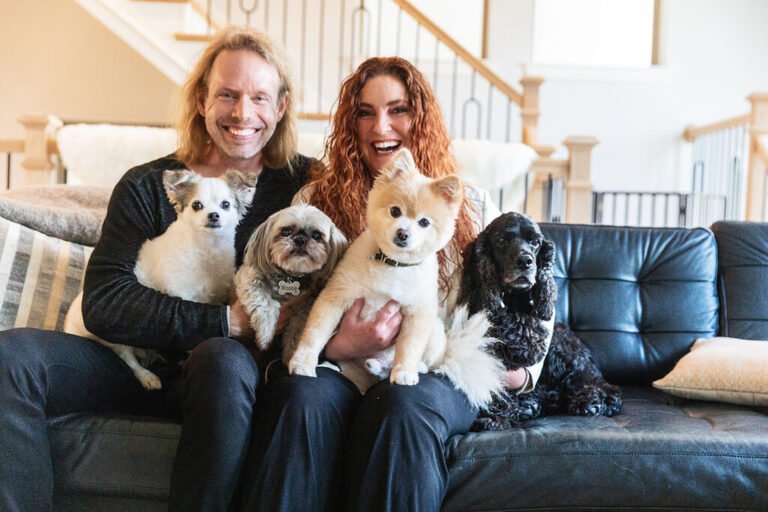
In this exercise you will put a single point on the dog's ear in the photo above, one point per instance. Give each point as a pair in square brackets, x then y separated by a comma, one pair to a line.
[401, 165]
[177, 184]
[544, 292]
[481, 289]
[546, 257]
[244, 186]
[337, 244]
[450, 188]
[257, 252]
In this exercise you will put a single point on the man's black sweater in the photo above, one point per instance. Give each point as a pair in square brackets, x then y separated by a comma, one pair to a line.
[116, 306]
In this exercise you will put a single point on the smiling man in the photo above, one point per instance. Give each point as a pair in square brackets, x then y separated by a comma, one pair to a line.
[236, 113]
[242, 106]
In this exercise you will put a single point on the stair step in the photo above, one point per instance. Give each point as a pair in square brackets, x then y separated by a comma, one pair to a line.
[181, 36]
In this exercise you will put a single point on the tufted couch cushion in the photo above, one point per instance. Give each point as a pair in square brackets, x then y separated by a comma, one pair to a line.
[743, 261]
[639, 297]
[661, 453]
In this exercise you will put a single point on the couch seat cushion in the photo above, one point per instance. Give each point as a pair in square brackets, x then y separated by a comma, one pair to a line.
[113, 455]
[661, 453]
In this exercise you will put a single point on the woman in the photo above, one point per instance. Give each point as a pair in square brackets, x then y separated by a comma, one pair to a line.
[319, 445]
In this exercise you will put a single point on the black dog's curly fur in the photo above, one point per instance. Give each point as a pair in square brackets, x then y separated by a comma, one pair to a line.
[509, 273]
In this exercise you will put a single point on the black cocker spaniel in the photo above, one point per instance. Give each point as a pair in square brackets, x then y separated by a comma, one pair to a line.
[508, 272]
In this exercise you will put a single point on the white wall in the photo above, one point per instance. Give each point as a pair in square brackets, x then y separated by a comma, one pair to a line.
[714, 54]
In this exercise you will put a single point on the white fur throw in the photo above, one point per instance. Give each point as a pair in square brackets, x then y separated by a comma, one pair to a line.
[99, 154]
[496, 166]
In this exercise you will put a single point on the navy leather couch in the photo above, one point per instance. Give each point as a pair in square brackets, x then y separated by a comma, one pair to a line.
[639, 297]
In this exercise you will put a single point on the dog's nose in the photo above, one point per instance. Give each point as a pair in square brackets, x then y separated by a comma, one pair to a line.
[213, 216]
[401, 238]
[525, 261]
[300, 240]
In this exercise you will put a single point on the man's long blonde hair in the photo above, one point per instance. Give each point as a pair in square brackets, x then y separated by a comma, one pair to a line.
[190, 125]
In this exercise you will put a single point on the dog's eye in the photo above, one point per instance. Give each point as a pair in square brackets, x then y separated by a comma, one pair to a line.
[501, 241]
[423, 222]
[316, 236]
[395, 212]
[286, 231]
[535, 242]
[225, 205]
[197, 205]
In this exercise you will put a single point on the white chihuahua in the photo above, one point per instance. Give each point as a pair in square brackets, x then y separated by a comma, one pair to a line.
[194, 259]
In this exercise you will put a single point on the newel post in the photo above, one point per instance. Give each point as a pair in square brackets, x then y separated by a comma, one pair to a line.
[578, 199]
[758, 126]
[39, 131]
[529, 109]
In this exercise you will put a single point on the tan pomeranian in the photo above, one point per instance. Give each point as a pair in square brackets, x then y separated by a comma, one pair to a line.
[410, 218]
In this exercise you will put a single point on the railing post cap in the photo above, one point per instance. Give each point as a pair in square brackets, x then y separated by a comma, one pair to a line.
[544, 151]
[581, 140]
[41, 120]
[758, 97]
[531, 80]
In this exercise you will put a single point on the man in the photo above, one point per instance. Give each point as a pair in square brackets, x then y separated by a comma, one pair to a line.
[237, 113]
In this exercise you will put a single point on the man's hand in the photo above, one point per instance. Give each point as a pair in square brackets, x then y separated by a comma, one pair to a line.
[358, 337]
[239, 322]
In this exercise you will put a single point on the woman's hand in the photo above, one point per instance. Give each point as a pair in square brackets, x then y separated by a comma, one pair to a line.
[358, 337]
[514, 380]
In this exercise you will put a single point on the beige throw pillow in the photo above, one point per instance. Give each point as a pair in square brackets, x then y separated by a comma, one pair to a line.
[721, 369]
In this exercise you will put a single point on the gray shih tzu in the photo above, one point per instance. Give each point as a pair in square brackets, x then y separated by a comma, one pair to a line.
[287, 261]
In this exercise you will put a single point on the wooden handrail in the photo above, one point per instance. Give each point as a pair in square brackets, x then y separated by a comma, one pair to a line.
[462, 52]
[692, 132]
[194, 38]
[11, 145]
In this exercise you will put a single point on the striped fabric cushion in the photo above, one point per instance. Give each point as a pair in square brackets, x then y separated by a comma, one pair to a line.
[39, 277]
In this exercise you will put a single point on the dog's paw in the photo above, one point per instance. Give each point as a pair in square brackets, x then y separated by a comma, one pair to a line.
[263, 343]
[491, 423]
[589, 401]
[148, 380]
[613, 401]
[375, 368]
[302, 363]
[528, 408]
[404, 377]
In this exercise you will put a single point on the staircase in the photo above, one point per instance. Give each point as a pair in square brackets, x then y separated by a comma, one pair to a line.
[325, 41]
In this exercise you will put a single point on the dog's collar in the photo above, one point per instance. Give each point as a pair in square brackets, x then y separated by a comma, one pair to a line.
[285, 286]
[380, 256]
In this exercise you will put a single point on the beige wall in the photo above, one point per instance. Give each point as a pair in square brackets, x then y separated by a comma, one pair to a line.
[55, 58]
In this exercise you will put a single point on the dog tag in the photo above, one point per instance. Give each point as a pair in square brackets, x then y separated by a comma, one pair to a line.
[284, 287]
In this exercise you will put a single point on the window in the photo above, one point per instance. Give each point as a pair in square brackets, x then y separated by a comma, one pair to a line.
[594, 33]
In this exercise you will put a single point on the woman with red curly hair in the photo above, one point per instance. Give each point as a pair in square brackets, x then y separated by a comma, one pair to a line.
[319, 445]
